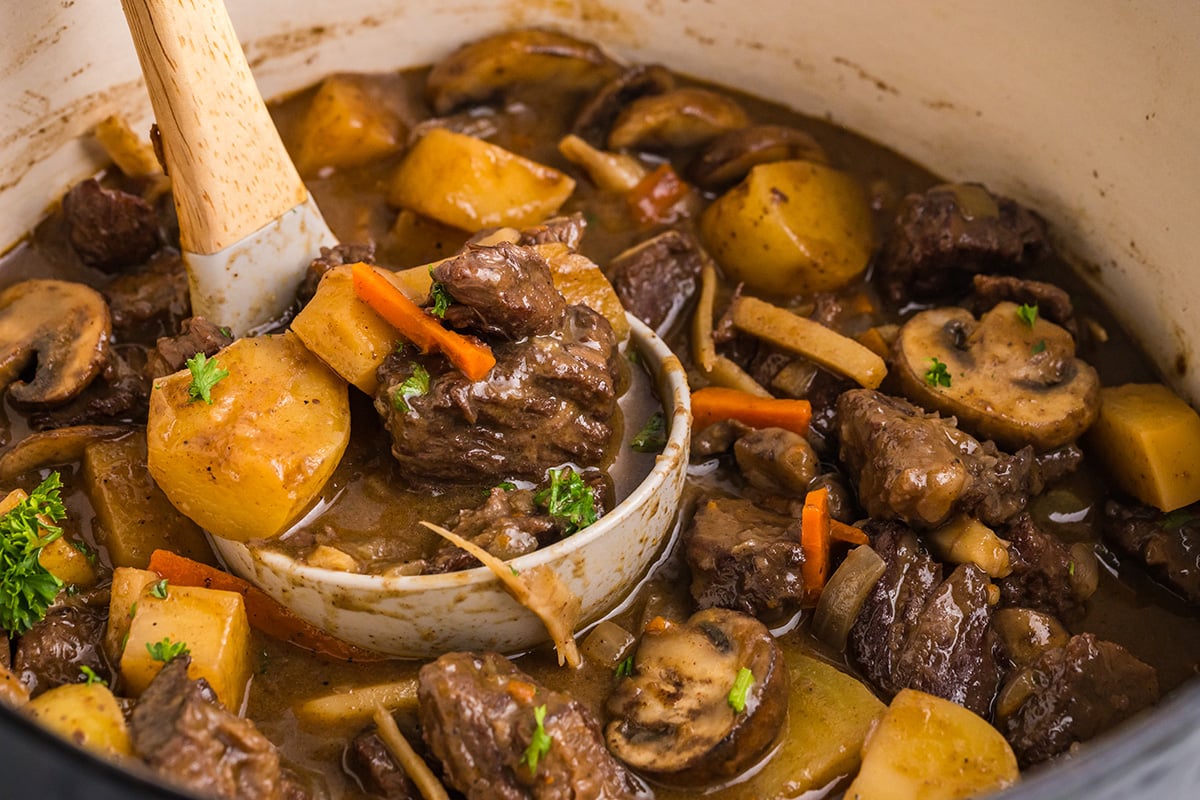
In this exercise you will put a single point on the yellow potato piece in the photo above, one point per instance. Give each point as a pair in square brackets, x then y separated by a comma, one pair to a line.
[210, 622]
[247, 465]
[127, 586]
[68, 563]
[87, 715]
[344, 127]
[581, 282]
[471, 184]
[791, 227]
[1149, 440]
[927, 748]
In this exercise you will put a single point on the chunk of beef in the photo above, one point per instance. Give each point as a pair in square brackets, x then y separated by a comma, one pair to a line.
[507, 525]
[1168, 544]
[108, 228]
[713, 440]
[69, 637]
[1044, 574]
[336, 256]
[505, 290]
[152, 298]
[183, 732]
[922, 469]
[745, 558]
[1071, 694]
[121, 393]
[656, 278]
[1053, 303]
[776, 460]
[196, 335]
[951, 232]
[549, 400]
[1054, 465]
[368, 759]
[477, 717]
[918, 631]
[568, 230]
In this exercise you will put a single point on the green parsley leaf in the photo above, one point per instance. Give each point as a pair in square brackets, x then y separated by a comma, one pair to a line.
[507, 486]
[652, 438]
[539, 745]
[741, 688]
[414, 385]
[26, 587]
[166, 650]
[91, 676]
[84, 548]
[568, 498]
[937, 374]
[1038, 347]
[1027, 314]
[625, 668]
[159, 589]
[206, 374]
[441, 299]
[1071, 568]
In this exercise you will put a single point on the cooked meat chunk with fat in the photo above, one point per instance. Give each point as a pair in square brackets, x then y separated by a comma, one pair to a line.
[183, 732]
[951, 232]
[108, 228]
[776, 460]
[745, 558]
[70, 636]
[921, 469]
[1168, 544]
[1046, 574]
[196, 335]
[1071, 694]
[568, 230]
[372, 765]
[918, 631]
[152, 299]
[505, 290]
[478, 718]
[1052, 302]
[336, 256]
[656, 279]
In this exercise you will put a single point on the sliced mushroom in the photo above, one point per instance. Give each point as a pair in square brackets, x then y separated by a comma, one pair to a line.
[681, 118]
[55, 446]
[599, 113]
[729, 158]
[1009, 377]
[61, 328]
[674, 716]
[490, 65]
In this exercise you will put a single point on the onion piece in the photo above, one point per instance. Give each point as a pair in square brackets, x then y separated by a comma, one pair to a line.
[844, 595]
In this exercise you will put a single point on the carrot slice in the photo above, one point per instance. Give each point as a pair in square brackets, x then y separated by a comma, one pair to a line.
[716, 403]
[264, 612]
[474, 359]
[841, 532]
[655, 197]
[815, 542]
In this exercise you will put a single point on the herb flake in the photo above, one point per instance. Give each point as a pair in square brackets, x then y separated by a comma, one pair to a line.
[740, 690]
[26, 587]
[441, 299]
[625, 668]
[652, 438]
[206, 373]
[1038, 347]
[937, 374]
[159, 589]
[568, 498]
[539, 744]
[1027, 314]
[414, 385]
[166, 650]
[91, 677]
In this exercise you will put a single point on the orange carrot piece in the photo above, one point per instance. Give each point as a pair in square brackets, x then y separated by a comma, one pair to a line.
[521, 691]
[474, 359]
[815, 542]
[841, 532]
[716, 403]
[656, 196]
[264, 612]
[656, 625]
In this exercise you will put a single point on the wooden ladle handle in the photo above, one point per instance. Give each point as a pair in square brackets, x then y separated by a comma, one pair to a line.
[230, 172]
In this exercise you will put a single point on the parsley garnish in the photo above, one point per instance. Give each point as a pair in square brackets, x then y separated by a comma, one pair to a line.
[84, 548]
[1038, 346]
[1071, 568]
[652, 438]
[206, 374]
[26, 587]
[625, 668]
[159, 589]
[741, 688]
[1027, 314]
[1176, 519]
[166, 650]
[91, 676]
[414, 385]
[441, 299]
[937, 374]
[507, 486]
[539, 745]
[568, 498]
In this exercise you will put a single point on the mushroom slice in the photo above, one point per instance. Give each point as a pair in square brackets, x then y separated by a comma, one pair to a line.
[61, 327]
[677, 717]
[680, 118]
[55, 446]
[488, 66]
[599, 113]
[729, 157]
[1010, 376]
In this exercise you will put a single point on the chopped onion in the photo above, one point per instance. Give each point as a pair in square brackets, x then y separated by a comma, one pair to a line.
[607, 644]
[844, 595]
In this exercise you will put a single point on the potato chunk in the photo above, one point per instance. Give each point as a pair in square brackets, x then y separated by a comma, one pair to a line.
[210, 622]
[127, 586]
[345, 127]
[245, 466]
[471, 184]
[1149, 440]
[927, 748]
[791, 227]
[86, 714]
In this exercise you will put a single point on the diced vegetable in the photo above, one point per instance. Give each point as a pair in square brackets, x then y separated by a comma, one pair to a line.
[472, 184]
[344, 127]
[580, 281]
[132, 154]
[965, 540]
[659, 197]
[246, 466]
[71, 562]
[133, 516]
[837, 353]
[841, 532]
[716, 403]
[127, 586]
[210, 623]
[927, 748]
[85, 713]
[353, 705]
[791, 227]
[13, 693]
[608, 644]
[717, 368]
[1149, 440]
[843, 596]
[815, 542]
[613, 172]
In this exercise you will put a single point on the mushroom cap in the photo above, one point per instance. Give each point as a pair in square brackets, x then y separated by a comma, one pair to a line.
[731, 156]
[678, 118]
[63, 328]
[1010, 381]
